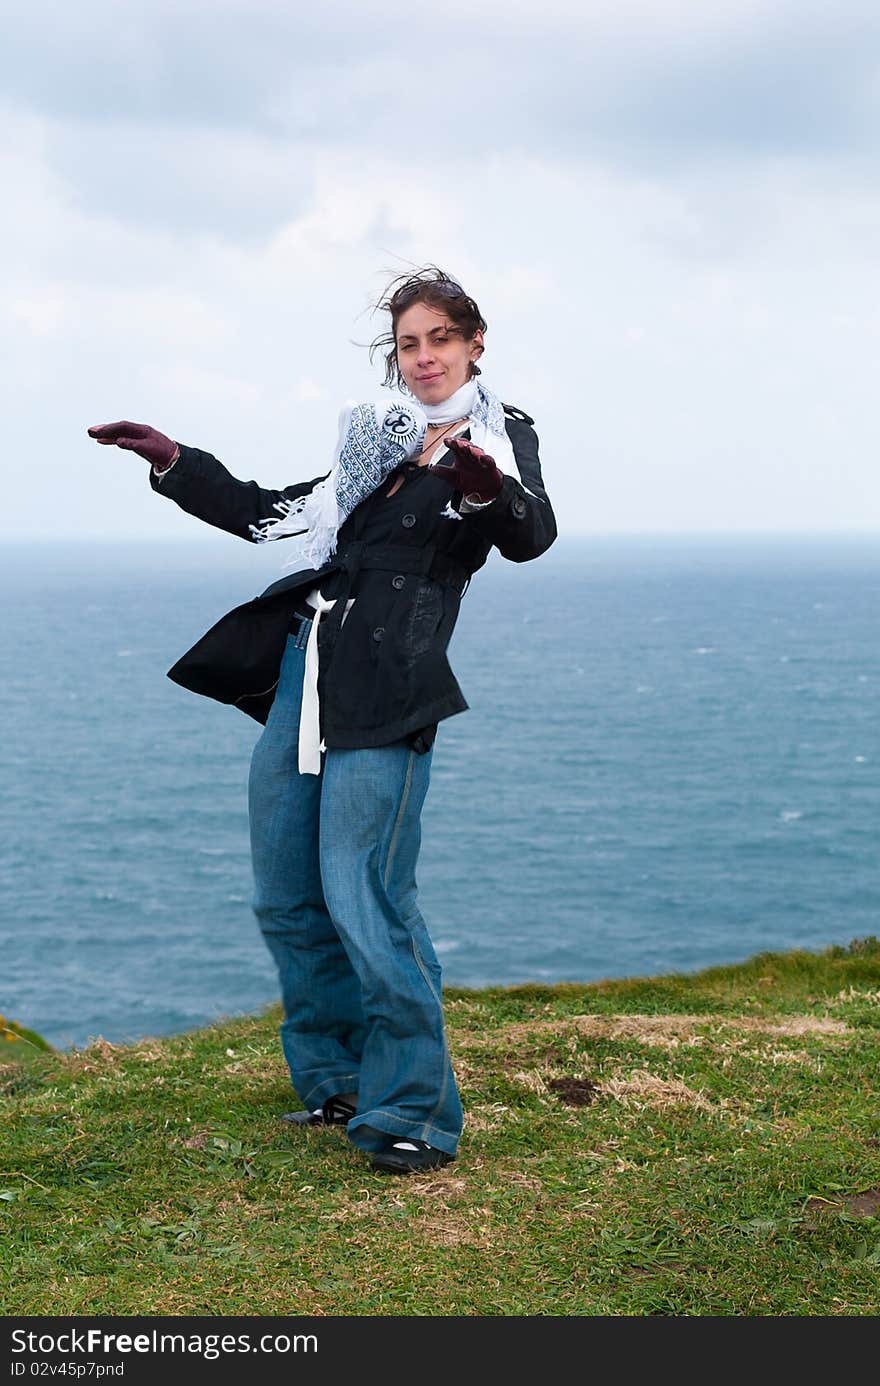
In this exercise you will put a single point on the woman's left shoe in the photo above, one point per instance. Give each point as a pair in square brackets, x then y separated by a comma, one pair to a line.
[409, 1157]
[336, 1111]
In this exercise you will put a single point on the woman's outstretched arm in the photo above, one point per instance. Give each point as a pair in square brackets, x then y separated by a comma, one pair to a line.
[203, 487]
[198, 483]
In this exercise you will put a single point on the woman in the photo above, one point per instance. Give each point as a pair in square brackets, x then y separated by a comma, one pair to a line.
[343, 661]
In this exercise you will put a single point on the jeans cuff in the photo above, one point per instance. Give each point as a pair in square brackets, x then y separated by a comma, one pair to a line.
[331, 1087]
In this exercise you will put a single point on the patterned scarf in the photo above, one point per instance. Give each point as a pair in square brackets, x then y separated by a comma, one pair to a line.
[374, 439]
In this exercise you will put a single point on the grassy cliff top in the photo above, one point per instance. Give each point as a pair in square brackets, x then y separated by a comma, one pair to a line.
[693, 1144]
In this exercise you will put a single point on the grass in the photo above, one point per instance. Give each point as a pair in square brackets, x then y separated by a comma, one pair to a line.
[702, 1144]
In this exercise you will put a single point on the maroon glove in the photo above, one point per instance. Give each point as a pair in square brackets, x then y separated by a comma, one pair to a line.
[471, 471]
[140, 438]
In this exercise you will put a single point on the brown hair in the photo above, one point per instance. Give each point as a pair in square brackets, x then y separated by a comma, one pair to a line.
[433, 286]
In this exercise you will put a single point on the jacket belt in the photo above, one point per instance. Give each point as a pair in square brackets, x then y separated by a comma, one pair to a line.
[428, 561]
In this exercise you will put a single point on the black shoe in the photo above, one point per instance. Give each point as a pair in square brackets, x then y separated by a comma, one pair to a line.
[336, 1111]
[407, 1156]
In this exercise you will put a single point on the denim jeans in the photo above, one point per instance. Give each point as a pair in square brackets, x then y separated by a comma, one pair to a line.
[334, 858]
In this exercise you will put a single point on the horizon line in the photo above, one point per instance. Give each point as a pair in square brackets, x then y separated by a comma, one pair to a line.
[218, 535]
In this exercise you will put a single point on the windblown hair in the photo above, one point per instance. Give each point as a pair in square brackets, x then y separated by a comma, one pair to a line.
[436, 288]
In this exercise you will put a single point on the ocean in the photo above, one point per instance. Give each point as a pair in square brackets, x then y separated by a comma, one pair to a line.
[671, 760]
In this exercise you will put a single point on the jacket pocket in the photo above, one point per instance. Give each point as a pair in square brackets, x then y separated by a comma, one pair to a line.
[424, 618]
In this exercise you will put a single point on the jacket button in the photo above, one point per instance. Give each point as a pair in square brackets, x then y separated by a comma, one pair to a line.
[378, 632]
[408, 521]
[398, 581]
[519, 507]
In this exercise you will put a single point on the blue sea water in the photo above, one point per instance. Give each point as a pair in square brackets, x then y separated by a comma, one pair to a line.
[671, 760]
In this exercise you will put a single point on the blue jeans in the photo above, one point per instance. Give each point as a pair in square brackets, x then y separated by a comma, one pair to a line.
[334, 859]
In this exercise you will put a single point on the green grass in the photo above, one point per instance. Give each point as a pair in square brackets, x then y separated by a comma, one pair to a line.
[701, 1144]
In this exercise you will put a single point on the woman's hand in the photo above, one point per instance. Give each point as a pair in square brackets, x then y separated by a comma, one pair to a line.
[471, 471]
[147, 442]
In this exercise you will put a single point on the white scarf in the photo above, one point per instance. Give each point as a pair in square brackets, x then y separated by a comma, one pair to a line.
[374, 438]
[485, 414]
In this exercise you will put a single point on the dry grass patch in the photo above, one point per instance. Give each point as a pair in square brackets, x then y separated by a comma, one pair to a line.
[664, 1031]
[794, 1025]
[643, 1089]
[197, 1141]
[491, 1116]
[532, 1079]
[771, 1054]
[99, 1055]
[529, 1182]
[854, 994]
[471, 1228]
[437, 1208]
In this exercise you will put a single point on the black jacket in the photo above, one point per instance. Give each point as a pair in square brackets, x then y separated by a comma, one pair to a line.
[383, 674]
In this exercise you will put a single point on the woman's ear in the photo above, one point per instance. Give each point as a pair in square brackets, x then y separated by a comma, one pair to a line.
[477, 348]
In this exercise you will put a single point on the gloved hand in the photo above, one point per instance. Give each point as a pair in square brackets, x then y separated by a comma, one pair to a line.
[471, 471]
[147, 442]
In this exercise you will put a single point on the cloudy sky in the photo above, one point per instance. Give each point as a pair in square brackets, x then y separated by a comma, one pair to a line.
[668, 211]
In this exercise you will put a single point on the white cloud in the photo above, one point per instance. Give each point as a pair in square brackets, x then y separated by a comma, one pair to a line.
[696, 338]
[308, 391]
[40, 314]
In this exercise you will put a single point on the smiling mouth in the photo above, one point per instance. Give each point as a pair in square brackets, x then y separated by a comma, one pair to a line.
[422, 379]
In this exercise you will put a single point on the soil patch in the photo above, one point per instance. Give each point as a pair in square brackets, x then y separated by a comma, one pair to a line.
[574, 1092]
[861, 1205]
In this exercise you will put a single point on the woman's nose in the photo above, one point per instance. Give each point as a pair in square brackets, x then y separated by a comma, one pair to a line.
[426, 353]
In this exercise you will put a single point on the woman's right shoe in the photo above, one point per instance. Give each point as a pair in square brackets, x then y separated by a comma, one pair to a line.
[336, 1111]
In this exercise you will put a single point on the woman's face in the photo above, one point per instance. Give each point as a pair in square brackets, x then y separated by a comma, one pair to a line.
[433, 356]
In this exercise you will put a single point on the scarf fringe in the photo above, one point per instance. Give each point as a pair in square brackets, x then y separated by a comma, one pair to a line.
[287, 509]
